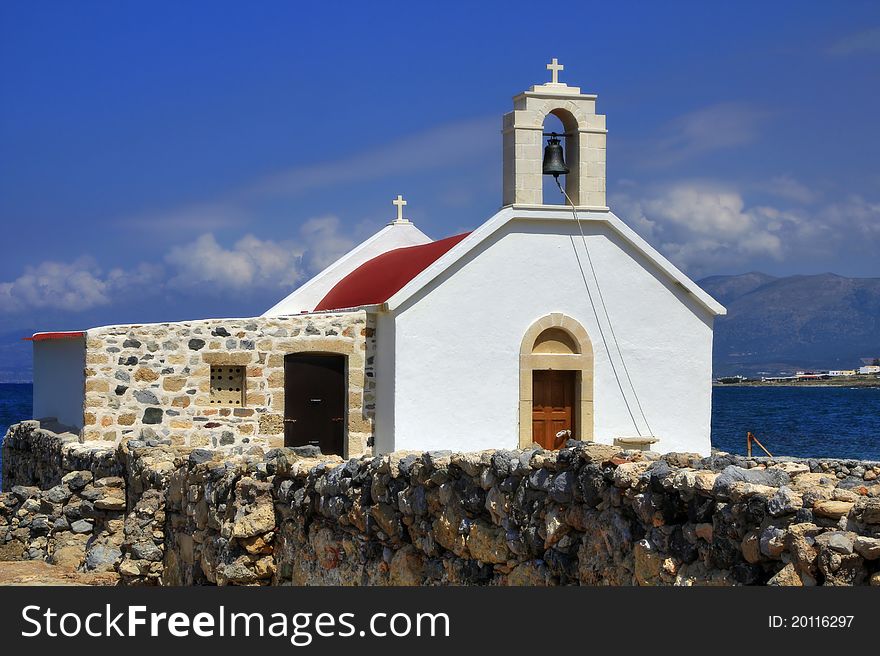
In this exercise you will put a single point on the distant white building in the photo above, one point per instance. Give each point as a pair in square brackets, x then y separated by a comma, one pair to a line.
[870, 369]
[842, 372]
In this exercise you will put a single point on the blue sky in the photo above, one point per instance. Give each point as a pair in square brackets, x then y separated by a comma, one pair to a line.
[163, 161]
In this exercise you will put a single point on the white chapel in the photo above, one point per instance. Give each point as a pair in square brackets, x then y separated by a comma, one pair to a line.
[540, 321]
[547, 322]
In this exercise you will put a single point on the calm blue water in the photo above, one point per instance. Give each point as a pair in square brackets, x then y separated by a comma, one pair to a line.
[15, 405]
[838, 422]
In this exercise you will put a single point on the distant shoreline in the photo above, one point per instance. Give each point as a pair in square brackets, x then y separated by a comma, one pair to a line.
[830, 382]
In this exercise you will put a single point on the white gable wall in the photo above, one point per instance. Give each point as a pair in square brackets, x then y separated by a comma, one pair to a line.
[457, 341]
[309, 294]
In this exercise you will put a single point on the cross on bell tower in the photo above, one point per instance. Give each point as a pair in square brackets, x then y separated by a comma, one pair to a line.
[585, 139]
[554, 67]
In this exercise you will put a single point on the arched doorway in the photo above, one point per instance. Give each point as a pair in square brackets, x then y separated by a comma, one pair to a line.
[556, 382]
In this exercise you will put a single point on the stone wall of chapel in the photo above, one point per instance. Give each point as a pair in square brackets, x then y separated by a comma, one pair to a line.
[153, 381]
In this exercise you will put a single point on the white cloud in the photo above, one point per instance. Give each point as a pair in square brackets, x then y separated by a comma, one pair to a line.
[703, 210]
[786, 187]
[860, 217]
[702, 227]
[202, 266]
[707, 227]
[252, 263]
[857, 43]
[323, 241]
[206, 266]
[717, 127]
[72, 286]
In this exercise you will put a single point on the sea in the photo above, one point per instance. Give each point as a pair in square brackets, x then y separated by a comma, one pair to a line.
[16, 402]
[807, 422]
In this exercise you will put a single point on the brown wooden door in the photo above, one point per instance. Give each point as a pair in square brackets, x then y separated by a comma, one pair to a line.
[553, 394]
[314, 401]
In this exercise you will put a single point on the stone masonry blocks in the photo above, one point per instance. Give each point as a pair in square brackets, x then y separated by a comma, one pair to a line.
[153, 381]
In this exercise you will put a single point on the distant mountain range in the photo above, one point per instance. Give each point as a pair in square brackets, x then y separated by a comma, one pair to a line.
[776, 325]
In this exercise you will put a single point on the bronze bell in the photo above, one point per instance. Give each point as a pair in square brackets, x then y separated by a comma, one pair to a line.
[554, 162]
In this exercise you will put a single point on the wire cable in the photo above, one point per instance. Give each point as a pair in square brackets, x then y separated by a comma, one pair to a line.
[608, 319]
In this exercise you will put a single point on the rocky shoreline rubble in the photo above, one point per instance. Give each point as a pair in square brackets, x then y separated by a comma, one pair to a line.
[588, 514]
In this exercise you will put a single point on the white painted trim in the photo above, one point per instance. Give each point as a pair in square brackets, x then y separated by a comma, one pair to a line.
[562, 213]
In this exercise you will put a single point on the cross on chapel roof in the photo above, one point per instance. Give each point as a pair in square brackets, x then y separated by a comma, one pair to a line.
[399, 203]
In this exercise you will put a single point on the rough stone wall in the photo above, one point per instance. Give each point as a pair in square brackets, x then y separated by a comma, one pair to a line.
[64, 501]
[77, 523]
[587, 514]
[40, 454]
[152, 382]
[93, 506]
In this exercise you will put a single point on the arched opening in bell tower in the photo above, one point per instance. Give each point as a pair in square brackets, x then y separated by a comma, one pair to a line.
[549, 191]
[563, 123]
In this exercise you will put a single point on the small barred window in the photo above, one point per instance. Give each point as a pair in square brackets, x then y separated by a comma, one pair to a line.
[227, 385]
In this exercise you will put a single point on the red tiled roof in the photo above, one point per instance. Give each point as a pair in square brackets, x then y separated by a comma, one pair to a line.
[40, 337]
[378, 279]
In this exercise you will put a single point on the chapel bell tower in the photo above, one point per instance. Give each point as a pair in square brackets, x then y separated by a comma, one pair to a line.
[583, 145]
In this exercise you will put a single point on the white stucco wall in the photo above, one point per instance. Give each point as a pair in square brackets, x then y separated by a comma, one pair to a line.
[310, 293]
[457, 341]
[59, 380]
